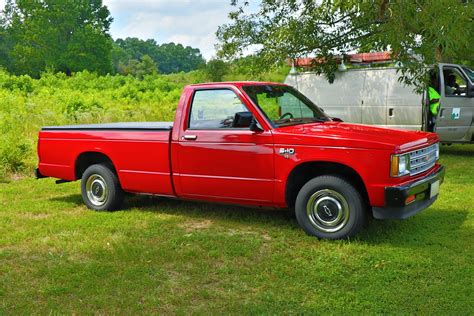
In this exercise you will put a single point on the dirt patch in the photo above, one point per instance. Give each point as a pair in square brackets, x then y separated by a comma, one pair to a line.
[18, 177]
[265, 236]
[35, 215]
[196, 225]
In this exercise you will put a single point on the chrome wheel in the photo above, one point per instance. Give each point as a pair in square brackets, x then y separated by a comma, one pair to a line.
[97, 190]
[327, 210]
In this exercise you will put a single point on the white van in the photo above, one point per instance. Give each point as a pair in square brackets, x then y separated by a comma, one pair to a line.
[375, 96]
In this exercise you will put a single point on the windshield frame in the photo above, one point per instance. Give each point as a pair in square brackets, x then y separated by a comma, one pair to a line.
[305, 100]
[468, 71]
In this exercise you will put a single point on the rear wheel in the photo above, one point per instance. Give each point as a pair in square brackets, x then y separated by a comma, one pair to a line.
[330, 207]
[101, 189]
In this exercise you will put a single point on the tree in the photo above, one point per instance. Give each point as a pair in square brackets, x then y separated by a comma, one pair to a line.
[137, 68]
[169, 57]
[216, 69]
[131, 48]
[418, 33]
[63, 35]
[173, 57]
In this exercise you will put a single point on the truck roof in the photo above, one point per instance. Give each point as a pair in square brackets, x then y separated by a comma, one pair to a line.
[236, 83]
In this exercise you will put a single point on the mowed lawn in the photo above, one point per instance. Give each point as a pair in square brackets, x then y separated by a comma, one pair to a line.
[165, 256]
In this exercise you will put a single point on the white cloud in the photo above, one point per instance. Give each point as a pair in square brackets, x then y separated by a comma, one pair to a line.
[188, 22]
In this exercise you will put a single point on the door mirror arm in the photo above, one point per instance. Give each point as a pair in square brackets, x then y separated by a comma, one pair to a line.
[255, 126]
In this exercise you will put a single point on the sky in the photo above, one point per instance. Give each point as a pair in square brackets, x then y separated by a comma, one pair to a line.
[189, 22]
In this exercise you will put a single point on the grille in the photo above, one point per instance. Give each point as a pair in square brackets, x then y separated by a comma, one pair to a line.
[423, 159]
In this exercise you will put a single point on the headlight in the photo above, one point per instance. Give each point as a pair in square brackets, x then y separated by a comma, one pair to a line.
[400, 165]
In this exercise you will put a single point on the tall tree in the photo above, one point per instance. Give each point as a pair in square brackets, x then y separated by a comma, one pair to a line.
[169, 57]
[62, 35]
[173, 57]
[139, 69]
[417, 32]
[216, 69]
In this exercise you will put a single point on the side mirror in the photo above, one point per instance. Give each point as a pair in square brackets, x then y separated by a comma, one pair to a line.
[255, 127]
[336, 119]
[242, 119]
[470, 91]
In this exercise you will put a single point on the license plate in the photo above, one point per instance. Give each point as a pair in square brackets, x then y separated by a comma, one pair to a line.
[434, 189]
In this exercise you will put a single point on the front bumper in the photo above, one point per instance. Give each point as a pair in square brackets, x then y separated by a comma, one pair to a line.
[395, 197]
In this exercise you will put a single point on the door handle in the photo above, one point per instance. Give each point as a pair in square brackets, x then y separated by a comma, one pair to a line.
[390, 112]
[190, 137]
[441, 114]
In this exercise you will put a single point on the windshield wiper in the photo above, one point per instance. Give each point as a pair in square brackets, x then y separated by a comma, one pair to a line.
[301, 120]
[319, 119]
[288, 120]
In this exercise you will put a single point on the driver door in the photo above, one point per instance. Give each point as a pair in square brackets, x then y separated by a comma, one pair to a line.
[456, 110]
[217, 160]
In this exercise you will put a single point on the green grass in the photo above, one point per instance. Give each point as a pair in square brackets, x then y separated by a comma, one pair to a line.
[166, 256]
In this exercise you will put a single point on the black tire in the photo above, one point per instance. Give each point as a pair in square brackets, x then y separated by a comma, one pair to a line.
[101, 190]
[329, 207]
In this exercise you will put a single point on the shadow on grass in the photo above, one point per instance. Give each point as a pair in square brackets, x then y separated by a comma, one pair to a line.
[418, 231]
[466, 150]
[211, 210]
[197, 210]
[75, 199]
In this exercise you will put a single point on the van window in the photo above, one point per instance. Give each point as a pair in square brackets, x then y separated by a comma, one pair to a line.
[455, 84]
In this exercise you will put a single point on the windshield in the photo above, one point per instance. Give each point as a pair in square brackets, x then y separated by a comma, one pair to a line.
[469, 73]
[284, 105]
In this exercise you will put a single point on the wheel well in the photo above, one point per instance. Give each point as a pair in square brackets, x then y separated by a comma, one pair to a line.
[87, 159]
[309, 170]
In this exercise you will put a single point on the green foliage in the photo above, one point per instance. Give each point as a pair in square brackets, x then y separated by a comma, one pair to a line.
[84, 97]
[173, 57]
[216, 69]
[169, 58]
[28, 104]
[63, 35]
[418, 33]
[137, 68]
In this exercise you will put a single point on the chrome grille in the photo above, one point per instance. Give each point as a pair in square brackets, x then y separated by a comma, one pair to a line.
[423, 159]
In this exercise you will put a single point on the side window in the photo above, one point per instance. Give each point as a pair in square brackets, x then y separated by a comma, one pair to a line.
[216, 109]
[454, 83]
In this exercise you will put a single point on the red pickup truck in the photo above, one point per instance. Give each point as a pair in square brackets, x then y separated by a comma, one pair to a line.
[253, 143]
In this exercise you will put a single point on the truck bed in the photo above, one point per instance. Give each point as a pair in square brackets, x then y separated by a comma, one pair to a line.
[157, 126]
[140, 152]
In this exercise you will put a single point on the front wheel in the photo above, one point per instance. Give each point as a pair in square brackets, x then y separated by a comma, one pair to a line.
[101, 189]
[330, 207]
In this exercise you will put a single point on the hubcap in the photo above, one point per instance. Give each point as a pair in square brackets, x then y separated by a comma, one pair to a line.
[97, 190]
[327, 210]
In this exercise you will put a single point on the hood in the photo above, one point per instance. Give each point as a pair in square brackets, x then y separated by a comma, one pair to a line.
[339, 134]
